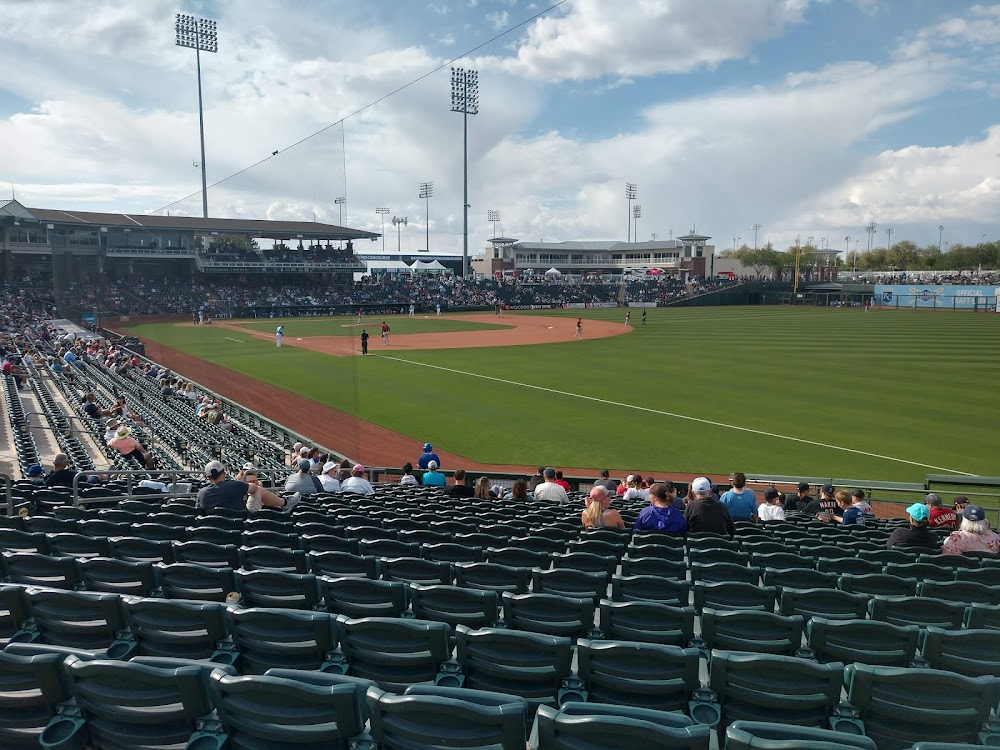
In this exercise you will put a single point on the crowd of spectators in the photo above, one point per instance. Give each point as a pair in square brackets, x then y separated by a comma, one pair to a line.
[963, 278]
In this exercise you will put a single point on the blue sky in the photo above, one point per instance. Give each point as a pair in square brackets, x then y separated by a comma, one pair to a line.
[810, 117]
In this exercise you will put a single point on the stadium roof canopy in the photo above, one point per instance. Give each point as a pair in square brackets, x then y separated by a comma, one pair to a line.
[275, 230]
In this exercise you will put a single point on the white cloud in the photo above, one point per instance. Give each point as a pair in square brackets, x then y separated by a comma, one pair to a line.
[498, 19]
[594, 38]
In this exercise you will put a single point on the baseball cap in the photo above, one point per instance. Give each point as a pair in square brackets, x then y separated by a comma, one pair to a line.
[629, 479]
[803, 487]
[432, 465]
[304, 450]
[605, 473]
[359, 467]
[550, 473]
[428, 447]
[35, 470]
[701, 484]
[305, 465]
[974, 513]
[918, 512]
[248, 466]
[960, 500]
[771, 494]
[214, 469]
[859, 494]
[829, 489]
[330, 465]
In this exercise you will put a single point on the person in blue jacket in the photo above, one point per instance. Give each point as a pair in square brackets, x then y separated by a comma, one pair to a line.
[428, 456]
[660, 515]
[739, 501]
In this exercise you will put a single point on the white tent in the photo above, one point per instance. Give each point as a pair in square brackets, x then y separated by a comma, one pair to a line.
[553, 272]
[422, 266]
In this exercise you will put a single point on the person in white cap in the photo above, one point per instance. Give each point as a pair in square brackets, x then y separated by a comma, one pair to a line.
[357, 482]
[705, 512]
[328, 478]
[224, 492]
[432, 477]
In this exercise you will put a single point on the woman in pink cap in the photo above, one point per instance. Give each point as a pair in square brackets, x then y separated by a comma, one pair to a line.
[357, 482]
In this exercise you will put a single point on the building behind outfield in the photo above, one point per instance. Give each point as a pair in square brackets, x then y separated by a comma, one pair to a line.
[60, 246]
[689, 256]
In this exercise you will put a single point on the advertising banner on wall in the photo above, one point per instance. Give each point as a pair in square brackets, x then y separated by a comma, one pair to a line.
[934, 296]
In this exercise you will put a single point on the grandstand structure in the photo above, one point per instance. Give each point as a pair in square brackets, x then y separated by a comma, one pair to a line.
[62, 247]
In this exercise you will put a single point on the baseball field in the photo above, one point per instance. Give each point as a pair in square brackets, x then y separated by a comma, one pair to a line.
[799, 391]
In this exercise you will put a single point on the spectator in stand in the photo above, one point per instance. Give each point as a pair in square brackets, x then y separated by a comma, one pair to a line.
[408, 477]
[128, 446]
[328, 478]
[432, 477]
[460, 488]
[918, 534]
[482, 490]
[607, 482]
[548, 490]
[960, 503]
[61, 475]
[519, 492]
[828, 499]
[303, 480]
[634, 489]
[661, 515]
[974, 535]
[562, 482]
[428, 455]
[802, 501]
[941, 517]
[224, 492]
[36, 475]
[92, 409]
[848, 514]
[862, 503]
[770, 509]
[705, 512]
[10, 367]
[345, 472]
[599, 514]
[739, 501]
[537, 479]
[357, 482]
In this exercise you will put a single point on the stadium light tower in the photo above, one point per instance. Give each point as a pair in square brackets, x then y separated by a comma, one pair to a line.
[465, 99]
[399, 222]
[888, 240]
[426, 191]
[755, 227]
[940, 236]
[631, 191]
[493, 217]
[847, 252]
[200, 35]
[636, 215]
[340, 202]
[870, 227]
[382, 212]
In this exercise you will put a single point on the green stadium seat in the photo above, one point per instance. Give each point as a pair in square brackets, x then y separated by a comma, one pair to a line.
[955, 562]
[455, 605]
[723, 596]
[587, 562]
[781, 560]
[638, 674]
[343, 564]
[35, 569]
[174, 629]
[922, 571]
[654, 566]
[394, 653]
[493, 577]
[722, 572]
[592, 726]
[647, 622]
[917, 610]
[79, 545]
[979, 616]
[974, 653]
[424, 536]
[865, 641]
[198, 582]
[206, 553]
[214, 535]
[825, 551]
[718, 555]
[549, 614]
[650, 588]
[902, 706]
[76, 619]
[831, 604]
[516, 557]
[273, 558]
[15, 609]
[672, 550]
[118, 576]
[529, 665]
[363, 597]
[569, 582]
[275, 588]
[31, 687]
[752, 631]
[767, 547]
[599, 547]
[282, 714]
[160, 531]
[961, 591]
[329, 543]
[760, 735]
[988, 575]
[136, 549]
[426, 717]
[123, 704]
[894, 555]
[416, 570]
[878, 584]
[266, 538]
[389, 548]
[799, 578]
[284, 638]
[451, 553]
[851, 565]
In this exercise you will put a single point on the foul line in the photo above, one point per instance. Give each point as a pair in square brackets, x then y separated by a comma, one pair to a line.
[679, 416]
[238, 341]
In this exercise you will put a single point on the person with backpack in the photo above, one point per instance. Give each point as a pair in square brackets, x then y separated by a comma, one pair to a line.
[660, 515]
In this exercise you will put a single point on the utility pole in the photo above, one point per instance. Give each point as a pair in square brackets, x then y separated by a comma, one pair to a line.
[630, 194]
[426, 191]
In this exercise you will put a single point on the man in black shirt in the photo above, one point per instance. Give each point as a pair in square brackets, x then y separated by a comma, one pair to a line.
[61, 475]
[460, 488]
[224, 492]
[919, 533]
[801, 500]
[827, 499]
[607, 482]
[706, 512]
[536, 480]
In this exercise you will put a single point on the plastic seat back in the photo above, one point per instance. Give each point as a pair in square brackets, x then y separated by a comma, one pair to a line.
[176, 629]
[650, 588]
[30, 689]
[851, 565]
[340, 564]
[516, 557]
[392, 652]
[878, 584]
[647, 622]
[917, 610]
[329, 543]
[198, 582]
[980, 616]
[718, 555]
[961, 591]
[452, 553]
[955, 562]
[781, 560]
[118, 576]
[654, 566]
[865, 641]
[799, 578]
[455, 605]
[587, 562]
[903, 706]
[76, 619]
[723, 572]
[492, 577]
[34, 569]
[762, 735]
[974, 653]
[265, 538]
[282, 638]
[549, 614]
[579, 584]
[137, 549]
[722, 596]
[363, 597]
[586, 726]
[416, 570]
[832, 604]
[79, 545]
[528, 665]
[275, 588]
[922, 571]
[752, 631]
[273, 558]
[638, 674]
[206, 553]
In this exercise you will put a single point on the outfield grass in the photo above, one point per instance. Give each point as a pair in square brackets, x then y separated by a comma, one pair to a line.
[910, 392]
[349, 326]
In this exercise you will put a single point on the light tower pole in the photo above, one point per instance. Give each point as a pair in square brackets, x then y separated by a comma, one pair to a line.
[847, 251]
[630, 193]
[636, 214]
[465, 99]
[200, 35]
[340, 202]
[399, 222]
[755, 227]
[888, 241]
[382, 212]
[940, 236]
[426, 191]
[493, 217]
[870, 227]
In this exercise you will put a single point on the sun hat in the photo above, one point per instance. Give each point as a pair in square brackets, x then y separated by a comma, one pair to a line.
[123, 431]
[330, 465]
